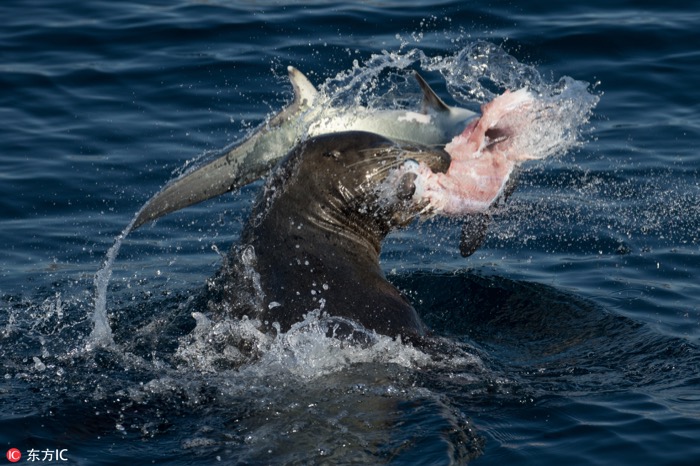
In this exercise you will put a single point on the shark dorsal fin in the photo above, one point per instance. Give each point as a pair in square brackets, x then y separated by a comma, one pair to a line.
[431, 101]
[304, 92]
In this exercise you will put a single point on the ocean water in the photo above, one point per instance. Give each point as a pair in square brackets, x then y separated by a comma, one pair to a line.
[571, 336]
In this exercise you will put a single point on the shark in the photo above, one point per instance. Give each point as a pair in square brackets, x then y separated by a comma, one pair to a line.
[309, 114]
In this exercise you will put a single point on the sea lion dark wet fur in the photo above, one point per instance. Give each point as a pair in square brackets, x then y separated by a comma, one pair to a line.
[317, 229]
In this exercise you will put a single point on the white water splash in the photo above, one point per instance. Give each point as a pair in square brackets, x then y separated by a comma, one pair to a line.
[474, 75]
[101, 331]
[305, 352]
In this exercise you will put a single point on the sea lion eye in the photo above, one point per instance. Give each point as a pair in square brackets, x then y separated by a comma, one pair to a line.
[334, 154]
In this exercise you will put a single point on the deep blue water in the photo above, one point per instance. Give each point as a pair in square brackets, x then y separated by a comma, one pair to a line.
[572, 336]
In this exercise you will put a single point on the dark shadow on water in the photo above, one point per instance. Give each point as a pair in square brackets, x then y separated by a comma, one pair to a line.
[534, 321]
[545, 335]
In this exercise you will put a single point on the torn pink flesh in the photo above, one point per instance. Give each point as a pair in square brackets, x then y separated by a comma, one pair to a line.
[480, 168]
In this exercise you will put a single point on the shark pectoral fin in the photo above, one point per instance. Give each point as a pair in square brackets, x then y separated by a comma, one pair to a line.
[431, 101]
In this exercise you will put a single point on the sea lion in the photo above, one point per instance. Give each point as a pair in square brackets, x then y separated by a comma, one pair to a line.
[315, 234]
[314, 237]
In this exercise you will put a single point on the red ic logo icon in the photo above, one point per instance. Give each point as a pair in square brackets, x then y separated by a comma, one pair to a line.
[13, 455]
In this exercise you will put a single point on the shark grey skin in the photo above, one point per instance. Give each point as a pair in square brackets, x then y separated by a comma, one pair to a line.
[308, 115]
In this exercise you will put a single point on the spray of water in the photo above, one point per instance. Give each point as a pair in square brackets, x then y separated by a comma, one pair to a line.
[474, 75]
[101, 335]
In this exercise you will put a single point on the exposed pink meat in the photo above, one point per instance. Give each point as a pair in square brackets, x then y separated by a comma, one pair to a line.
[483, 157]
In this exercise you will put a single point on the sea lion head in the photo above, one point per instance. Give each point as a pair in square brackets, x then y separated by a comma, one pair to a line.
[351, 183]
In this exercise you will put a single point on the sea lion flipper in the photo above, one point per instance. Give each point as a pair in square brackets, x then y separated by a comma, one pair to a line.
[243, 164]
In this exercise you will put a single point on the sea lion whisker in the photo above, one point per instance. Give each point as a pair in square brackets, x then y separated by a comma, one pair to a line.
[379, 163]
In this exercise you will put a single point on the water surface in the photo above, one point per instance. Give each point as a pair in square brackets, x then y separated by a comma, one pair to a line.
[571, 336]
